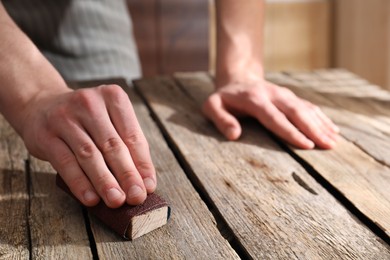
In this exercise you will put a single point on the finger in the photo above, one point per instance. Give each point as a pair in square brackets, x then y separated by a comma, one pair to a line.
[123, 117]
[115, 154]
[91, 162]
[306, 120]
[226, 123]
[65, 163]
[326, 120]
[277, 122]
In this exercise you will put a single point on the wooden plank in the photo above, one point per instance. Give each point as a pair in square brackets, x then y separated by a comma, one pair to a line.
[191, 231]
[362, 39]
[350, 167]
[14, 239]
[273, 206]
[56, 221]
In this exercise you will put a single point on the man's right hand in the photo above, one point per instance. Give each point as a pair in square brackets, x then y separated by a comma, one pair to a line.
[93, 139]
[90, 136]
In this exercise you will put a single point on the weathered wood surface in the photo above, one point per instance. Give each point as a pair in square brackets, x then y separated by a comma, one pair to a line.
[57, 224]
[359, 169]
[274, 208]
[14, 239]
[191, 231]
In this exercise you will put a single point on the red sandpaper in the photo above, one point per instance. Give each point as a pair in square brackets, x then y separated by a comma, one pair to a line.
[119, 219]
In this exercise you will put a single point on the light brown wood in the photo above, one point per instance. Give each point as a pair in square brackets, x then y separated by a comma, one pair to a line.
[272, 205]
[351, 167]
[363, 38]
[297, 35]
[14, 239]
[191, 231]
[57, 225]
[147, 222]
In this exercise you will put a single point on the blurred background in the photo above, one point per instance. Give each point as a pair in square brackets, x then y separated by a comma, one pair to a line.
[178, 35]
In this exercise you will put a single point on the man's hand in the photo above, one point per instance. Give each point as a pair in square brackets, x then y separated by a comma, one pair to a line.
[93, 139]
[297, 121]
[90, 136]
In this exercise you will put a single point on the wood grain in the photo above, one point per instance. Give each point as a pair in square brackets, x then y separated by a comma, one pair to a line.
[191, 231]
[147, 222]
[365, 123]
[273, 206]
[14, 239]
[56, 221]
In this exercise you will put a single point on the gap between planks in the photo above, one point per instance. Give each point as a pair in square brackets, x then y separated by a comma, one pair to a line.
[157, 105]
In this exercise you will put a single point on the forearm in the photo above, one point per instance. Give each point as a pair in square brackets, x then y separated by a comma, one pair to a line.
[24, 72]
[239, 40]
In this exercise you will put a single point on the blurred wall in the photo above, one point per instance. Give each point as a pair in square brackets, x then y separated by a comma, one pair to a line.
[175, 35]
[172, 35]
[362, 39]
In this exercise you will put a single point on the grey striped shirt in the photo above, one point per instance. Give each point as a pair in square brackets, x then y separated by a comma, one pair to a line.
[83, 39]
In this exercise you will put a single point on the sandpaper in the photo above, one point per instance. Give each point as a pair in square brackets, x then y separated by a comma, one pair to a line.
[119, 219]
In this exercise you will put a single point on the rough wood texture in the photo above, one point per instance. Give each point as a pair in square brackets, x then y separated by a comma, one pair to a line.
[191, 231]
[273, 206]
[147, 222]
[56, 220]
[364, 121]
[14, 240]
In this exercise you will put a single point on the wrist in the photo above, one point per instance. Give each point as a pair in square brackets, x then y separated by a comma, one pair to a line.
[239, 72]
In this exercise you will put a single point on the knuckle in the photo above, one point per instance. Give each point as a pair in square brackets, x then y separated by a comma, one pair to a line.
[115, 92]
[126, 176]
[135, 139]
[77, 182]
[144, 166]
[85, 99]
[85, 151]
[65, 159]
[255, 97]
[111, 145]
[102, 182]
[294, 111]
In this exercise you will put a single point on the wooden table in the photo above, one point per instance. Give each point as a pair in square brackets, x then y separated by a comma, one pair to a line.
[253, 198]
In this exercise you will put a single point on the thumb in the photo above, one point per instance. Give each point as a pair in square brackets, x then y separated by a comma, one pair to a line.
[226, 123]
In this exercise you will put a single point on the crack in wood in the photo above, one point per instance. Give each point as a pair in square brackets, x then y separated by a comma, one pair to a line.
[303, 184]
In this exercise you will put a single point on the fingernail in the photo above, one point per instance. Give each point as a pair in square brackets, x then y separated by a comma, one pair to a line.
[135, 191]
[149, 183]
[90, 196]
[310, 144]
[114, 194]
[328, 140]
[336, 129]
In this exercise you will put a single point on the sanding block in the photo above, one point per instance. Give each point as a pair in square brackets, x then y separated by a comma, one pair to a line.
[129, 221]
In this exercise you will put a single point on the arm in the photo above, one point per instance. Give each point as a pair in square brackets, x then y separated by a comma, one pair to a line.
[242, 90]
[90, 136]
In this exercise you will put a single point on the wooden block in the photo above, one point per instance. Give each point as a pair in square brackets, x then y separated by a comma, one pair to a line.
[128, 221]
[147, 222]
